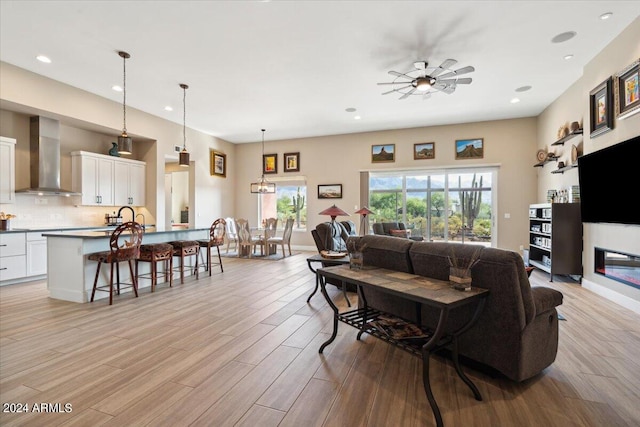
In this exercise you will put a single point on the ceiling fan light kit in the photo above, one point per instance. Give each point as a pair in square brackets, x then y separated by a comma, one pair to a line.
[424, 80]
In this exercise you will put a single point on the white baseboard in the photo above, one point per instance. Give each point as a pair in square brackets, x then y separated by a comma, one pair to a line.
[611, 295]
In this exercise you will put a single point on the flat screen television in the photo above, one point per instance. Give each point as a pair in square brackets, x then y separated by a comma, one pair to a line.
[610, 184]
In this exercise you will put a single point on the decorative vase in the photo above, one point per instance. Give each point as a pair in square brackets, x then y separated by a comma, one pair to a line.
[5, 224]
[355, 260]
[460, 278]
[113, 151]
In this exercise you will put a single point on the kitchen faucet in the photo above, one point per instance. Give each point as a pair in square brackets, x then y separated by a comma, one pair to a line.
[133, 214]
[144, 221]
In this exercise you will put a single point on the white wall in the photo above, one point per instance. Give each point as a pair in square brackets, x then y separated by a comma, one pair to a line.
[338, 159]
[574, 105]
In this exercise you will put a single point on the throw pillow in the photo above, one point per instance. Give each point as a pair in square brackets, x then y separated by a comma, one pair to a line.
[399, 233]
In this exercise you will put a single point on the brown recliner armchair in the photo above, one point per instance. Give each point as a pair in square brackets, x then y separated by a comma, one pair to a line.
[332, 238]
[395, 229]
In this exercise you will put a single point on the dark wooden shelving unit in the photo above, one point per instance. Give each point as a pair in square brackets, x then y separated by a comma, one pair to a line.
[555, 238]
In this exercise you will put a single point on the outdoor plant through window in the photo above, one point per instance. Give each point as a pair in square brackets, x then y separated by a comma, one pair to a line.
[289, 201]
[437, 205]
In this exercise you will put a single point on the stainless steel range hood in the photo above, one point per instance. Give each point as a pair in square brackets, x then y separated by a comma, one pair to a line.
[45, 158]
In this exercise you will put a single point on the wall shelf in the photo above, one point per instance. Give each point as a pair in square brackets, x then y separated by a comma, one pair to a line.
[564, 139]
[564, 169]
[545, 161]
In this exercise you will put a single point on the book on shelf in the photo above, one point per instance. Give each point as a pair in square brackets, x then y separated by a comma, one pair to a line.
[397, 328]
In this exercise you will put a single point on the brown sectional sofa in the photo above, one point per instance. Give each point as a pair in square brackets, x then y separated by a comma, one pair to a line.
[517, 332]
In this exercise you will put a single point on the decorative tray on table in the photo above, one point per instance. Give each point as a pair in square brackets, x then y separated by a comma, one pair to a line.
[333, 255]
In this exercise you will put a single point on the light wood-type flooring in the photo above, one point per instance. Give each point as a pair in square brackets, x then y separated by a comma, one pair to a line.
[240, 348]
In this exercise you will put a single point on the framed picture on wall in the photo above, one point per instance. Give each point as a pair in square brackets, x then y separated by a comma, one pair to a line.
[383, 153]
[601, 108]
[292, 162]
[425, 150]
[269, 163]
[330, 191]
[627, 89]
[218, 163]
[469, 148]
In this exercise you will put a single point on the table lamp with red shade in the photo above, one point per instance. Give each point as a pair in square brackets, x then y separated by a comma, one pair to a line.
[364, 211]
[333, 212]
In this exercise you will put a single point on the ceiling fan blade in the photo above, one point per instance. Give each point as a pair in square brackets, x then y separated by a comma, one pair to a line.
[395, 90]
[463, 70]
[448, 63]
[463, 81]
[397, 74]
[448, 89]
[406, 95]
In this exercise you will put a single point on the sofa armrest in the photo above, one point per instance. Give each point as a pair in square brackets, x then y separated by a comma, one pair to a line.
[545, 299]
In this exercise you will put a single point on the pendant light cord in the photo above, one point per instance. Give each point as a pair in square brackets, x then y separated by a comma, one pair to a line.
[124, 94]
[184, 117]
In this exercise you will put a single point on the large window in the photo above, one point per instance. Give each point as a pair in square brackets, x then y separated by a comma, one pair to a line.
[289, 201]
[445, 205]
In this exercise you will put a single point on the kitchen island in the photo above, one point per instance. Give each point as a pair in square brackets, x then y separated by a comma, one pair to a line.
[70, 274]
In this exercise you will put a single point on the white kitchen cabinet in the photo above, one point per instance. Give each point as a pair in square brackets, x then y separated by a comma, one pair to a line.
[93, 175]
[7, 170]
[107, 180]
[36, 254]
[130, 183]
[13, 259]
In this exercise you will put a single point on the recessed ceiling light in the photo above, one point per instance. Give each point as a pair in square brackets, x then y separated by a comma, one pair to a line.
[569, 56]
[350, 110]
[606, 15]
[357, 118]
[515, 100]
[523, 88]
[168, 108]
[116, 88]
[563, 37]
[44, 59]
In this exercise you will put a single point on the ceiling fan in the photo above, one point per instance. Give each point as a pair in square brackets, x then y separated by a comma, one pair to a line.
[425, 80]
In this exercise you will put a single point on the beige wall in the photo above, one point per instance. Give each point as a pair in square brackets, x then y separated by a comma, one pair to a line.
[90, 123]
[574, 105]
[338, 159]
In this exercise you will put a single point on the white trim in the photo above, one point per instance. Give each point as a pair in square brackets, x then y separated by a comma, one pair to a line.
[613, 296]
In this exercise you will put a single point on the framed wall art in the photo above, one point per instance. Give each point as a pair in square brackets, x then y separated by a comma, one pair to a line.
[425, 150]
[627, 89]
[330, 191]
[383, 153]
[269, 163]
[292, 162]
[218, 163]
[469, 148]
[601, 108]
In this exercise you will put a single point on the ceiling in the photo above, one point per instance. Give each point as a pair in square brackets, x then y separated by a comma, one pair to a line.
[294, 67]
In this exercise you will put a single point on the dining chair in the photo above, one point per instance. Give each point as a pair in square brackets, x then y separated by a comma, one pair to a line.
[232, 233]
[216, 238]
[285, 238]
[246, 241]
[124, 245]
[270, 228]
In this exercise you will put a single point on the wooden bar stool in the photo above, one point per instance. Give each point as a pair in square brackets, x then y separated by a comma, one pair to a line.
[154, 253]
[182, 249]
[216, 239]
[124, 245]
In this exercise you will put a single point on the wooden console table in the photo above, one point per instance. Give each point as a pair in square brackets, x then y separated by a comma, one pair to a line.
[436, 294]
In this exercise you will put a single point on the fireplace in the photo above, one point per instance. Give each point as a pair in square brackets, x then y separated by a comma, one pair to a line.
[619, 266]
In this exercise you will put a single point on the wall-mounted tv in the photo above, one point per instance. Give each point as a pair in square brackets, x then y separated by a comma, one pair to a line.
[610, 184]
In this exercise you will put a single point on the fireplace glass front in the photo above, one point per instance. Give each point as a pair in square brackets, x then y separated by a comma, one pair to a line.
[624, 268]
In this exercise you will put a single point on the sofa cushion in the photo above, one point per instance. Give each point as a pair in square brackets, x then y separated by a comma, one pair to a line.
[386, 252]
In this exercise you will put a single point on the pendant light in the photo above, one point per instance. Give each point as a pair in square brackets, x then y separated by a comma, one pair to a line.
[124, 141]
[263, 186]
[184, 154]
